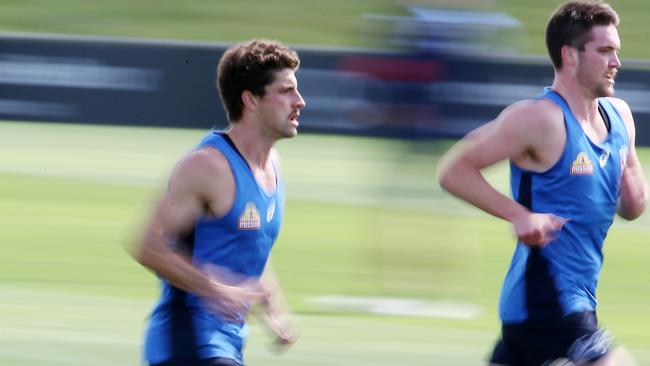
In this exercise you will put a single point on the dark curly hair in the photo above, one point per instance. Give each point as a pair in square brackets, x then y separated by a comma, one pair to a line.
[571, 23]
[251, 66]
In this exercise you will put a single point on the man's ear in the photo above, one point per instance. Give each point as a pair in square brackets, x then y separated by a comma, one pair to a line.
[249, 100]
[569, 56]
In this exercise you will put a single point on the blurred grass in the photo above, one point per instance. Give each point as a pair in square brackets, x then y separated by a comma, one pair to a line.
[331, 23]
[364, 219]
[335, 22]
[534, 15]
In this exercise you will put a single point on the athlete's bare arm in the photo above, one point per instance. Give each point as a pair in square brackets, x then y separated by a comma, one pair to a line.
[276, 312]
[191, 194]
[530, 133]
[633, 197]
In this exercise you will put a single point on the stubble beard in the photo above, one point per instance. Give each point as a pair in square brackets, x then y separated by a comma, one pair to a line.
[604, 91]
[288, 132]
[601, 89]
[598, 88]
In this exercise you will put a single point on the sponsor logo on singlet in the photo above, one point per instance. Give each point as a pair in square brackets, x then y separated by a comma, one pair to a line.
[270, 211]
[250, 219]
[582, 165]
[603, 158]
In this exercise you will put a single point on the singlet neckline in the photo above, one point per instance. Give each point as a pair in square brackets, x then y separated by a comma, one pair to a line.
[232, 144]
[263, 189]
[601, 111]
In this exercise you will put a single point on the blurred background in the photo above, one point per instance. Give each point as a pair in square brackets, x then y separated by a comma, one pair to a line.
[99, 99]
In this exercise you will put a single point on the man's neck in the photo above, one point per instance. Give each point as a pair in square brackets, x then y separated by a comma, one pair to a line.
[583, 106]
[251, 144]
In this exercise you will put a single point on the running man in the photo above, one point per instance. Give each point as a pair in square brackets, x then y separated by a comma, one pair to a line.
[210, 236]
[573, 166]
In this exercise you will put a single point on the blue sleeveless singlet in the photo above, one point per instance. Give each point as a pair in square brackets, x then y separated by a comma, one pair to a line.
[583, 186]
[237, 246]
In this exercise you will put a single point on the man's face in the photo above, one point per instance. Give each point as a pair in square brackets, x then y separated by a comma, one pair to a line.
[281, 105]
[598, 63]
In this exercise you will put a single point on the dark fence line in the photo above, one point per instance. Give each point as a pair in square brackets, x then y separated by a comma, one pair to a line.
[379, 93]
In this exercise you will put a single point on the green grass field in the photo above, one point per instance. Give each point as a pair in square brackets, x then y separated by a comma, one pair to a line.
[364, 216]
[534, 15]
[334, 23]
[363, 219]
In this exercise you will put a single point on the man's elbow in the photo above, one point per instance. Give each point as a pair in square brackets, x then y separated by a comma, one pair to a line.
[445, 177]
[629, 215]
[143, 255]
[633, 209]
[453, 171]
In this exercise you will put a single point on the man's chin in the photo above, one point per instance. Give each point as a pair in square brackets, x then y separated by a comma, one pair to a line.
[290, 134]
[605, 92]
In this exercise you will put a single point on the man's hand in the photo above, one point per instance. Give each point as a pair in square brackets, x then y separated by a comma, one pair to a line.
[282, 325]
[232, 302]
[230, 295]
[537, 229]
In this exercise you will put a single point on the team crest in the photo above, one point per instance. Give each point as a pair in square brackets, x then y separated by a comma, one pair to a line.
[582, 165]
[250, 219]
[270, 211]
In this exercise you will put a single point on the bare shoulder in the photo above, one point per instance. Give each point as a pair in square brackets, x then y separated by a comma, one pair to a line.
[623, 109]
[205, 173]
[532, 133]
[528, 121]
[529, 132]
[201, 164]
[626, 114]
[533, 112]
[621, 106]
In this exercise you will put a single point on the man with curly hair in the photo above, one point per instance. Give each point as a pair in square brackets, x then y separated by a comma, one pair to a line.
[210, 235]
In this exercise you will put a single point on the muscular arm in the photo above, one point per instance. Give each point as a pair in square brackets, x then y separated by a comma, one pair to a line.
[525, 133]
[188, 197]
[460, 171]
[174, 216]
[277, 314]
[633, 197]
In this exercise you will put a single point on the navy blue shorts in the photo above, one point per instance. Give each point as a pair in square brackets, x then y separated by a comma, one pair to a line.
[575, 337]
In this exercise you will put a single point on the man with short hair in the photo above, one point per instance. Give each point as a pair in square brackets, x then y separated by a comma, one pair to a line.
[210, 236]
[573, 167]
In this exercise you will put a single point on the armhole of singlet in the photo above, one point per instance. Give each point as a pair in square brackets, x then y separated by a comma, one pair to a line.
[605, 116]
